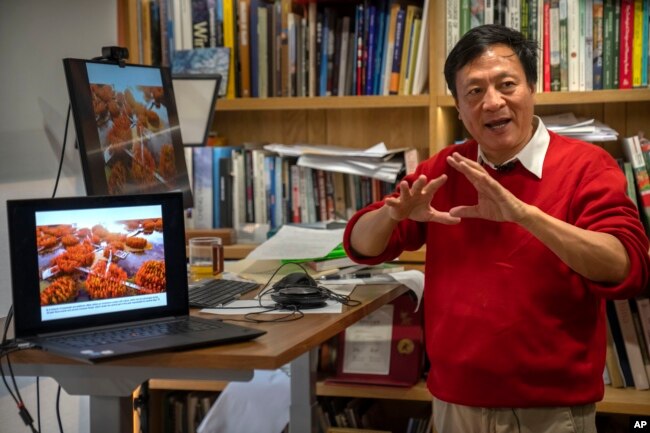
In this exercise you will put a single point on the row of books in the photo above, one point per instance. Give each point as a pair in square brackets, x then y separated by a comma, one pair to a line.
[184, 411]
[349, 414]
[636, 167]
[237, 185]
[628, 343]
[297, 48]
[585, 44]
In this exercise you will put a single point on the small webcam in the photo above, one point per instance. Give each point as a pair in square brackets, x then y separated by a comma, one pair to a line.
[115, 54]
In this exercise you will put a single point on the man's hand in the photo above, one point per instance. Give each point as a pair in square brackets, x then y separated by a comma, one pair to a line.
[415, 202]
[495, 203]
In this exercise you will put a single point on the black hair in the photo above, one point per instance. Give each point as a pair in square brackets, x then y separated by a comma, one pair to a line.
[476, 41]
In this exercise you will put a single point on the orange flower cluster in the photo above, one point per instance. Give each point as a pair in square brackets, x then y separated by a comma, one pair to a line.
[148, 226]
[99, 231]
[136, 243]
[112, 248]
[104, 284]
[74, 257]
[151, 277]
[46, 241]
[143, 164]
[167, 162]
[69, 240]
[117, 178]
[63, 289]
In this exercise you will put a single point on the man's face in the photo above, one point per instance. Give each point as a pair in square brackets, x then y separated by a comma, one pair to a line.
[496, 103]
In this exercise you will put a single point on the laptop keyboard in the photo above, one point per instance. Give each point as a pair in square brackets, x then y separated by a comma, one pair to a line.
[114, 336]
[215, 293]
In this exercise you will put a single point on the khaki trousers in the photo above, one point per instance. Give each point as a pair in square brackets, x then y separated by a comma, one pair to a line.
[454, 418]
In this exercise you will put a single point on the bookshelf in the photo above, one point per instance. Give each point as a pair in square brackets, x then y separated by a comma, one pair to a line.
[426, 122]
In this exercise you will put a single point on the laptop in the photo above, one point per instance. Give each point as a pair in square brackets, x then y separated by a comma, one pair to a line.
[102, 277]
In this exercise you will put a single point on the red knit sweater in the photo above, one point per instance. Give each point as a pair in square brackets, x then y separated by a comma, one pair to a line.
[507, 323]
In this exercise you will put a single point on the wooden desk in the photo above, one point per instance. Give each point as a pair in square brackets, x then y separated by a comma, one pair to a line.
[110, 384]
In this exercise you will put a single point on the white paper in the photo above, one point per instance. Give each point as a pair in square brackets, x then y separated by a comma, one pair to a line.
[292, 242]
[385, 171]
[379, 150]
[367, 343]
[261, 405]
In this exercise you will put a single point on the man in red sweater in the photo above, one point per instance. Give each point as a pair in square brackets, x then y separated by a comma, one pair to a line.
[527, 234]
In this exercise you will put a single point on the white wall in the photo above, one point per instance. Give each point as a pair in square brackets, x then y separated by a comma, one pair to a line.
[35, 35]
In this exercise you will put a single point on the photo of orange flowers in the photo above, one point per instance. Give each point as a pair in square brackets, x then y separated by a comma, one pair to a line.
[85, 261]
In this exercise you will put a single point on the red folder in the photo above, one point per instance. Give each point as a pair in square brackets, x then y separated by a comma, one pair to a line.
[406, 349]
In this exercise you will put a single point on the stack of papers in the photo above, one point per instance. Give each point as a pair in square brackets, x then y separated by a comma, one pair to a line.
[376, 162]
[583, 129]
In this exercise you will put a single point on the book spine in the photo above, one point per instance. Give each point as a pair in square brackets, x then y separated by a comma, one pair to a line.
[608, 44]
[626, 35]
[244, 48]
[598, 45]
[589, 46]
[253, 48]
[619, 343]
[617, 44]
[564, 46]
[637, 42]
[390, 46]
[371, 47]
[229, 42]
[397, 52]
[573, 26]
[547, 46]
[200, 24]
[555, 45]
[624, 315]
[203, 187]
[359, 30]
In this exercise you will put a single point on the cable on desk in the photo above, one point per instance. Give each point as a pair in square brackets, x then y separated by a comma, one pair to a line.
[6, 348]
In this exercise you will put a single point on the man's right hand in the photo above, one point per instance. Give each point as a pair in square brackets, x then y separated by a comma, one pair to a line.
[414, 202]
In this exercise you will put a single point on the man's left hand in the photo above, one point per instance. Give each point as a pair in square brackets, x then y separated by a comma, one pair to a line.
[495, 203]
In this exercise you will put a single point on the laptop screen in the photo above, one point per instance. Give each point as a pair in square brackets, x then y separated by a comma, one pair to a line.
[91, 261]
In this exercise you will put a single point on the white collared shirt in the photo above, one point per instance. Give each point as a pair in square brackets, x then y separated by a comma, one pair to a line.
[533, 153]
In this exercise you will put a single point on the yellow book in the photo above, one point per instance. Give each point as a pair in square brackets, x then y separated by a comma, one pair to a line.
[229, 42]
[637, 43]
[411, 12]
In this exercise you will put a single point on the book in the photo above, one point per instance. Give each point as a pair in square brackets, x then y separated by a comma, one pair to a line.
[643, 307]
[226, 192]
[412, 13]
[420, 75]
[625, 47]
[200, 24]
[202, 214]
[229, 38]
[634, 155]
[611, 362]
[397, 53]
[204, 61]
[243, 39]
[619, 343]
[631, 343]
[328, 264]
[598, 42]
[219, 153]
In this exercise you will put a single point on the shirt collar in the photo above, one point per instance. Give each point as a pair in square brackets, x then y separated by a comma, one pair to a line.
[533, 153]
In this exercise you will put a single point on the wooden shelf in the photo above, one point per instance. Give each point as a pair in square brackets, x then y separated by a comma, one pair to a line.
[626, 401]
[569, 98]
[323, 103]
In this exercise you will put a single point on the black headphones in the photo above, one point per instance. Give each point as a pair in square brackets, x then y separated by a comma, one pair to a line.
[300, 291]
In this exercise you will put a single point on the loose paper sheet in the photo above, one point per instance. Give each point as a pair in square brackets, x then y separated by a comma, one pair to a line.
[367, 343]
[292, 242]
